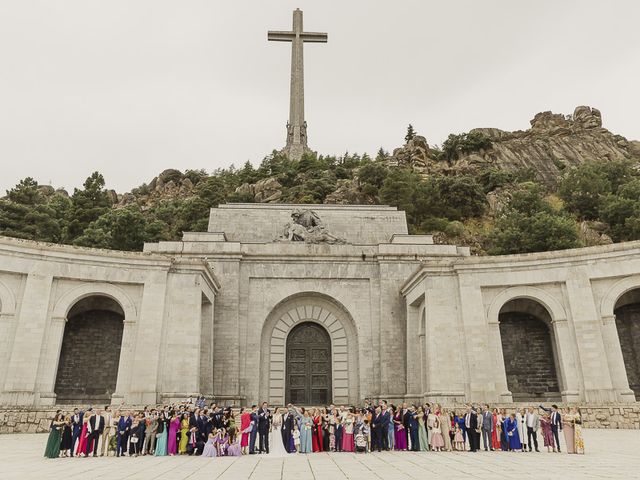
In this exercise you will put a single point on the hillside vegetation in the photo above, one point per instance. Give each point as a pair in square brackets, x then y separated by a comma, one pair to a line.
[464, 192]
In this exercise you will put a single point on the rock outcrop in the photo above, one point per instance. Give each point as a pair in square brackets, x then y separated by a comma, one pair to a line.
[553, 143]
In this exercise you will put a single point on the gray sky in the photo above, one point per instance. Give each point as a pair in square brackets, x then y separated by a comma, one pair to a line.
[131, 87]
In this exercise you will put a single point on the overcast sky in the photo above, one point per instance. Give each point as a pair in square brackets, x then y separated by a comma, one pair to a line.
[132, 87]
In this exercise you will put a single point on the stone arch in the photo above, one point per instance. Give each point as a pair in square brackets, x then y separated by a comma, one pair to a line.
[7, 300]
[73, 296]
[548, 301]
[338, 322]
[617, 290]
[529, 350]
[90, 351]
[627, 326]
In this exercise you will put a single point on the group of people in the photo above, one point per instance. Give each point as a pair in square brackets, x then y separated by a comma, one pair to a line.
[193, 429]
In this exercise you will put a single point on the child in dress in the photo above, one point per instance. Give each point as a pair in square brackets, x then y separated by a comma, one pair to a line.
[458, 441]
[296, 438]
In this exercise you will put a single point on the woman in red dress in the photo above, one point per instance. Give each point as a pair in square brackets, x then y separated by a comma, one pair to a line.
[495, 438]
[81, 448]
[317, 431]
[245, 421]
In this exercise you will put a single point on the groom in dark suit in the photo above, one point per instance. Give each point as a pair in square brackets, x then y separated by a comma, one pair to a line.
[264, 424]
[76, 424]
[287, 427]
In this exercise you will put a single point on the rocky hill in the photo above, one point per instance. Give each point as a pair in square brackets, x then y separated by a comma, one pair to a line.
[553, 143]
[563, 183]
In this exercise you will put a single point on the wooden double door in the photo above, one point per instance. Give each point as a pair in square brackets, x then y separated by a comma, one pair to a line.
[308, 365]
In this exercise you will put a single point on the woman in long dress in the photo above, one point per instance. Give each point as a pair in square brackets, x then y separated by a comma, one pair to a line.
[445, 428]
[568, 430]
[513, 435]
[401, 436]
[276, 444]
[305, 424]
[422, 430]
[495, 432]
[504, 441]
[245, 423]
[162, 435]
[317, 441]
[52, 450]
[578, 441]
[234, 449]
[547, 434]
[347, 435]
[81, 447]
[222, 442]
[522, 428]
[172, 442]
[391, 431]
[210, 449]
[184, 434]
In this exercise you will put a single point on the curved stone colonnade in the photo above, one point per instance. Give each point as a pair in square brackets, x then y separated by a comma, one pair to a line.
[404, 320]
[573, 294]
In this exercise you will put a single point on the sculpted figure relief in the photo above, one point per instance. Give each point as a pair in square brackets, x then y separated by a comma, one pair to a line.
[306, 226]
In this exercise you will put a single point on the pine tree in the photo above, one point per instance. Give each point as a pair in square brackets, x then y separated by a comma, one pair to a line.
[410, 133]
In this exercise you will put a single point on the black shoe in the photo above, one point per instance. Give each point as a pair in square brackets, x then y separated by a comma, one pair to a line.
[537, 450]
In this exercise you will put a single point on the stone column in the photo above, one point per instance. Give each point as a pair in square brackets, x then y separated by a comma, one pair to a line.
[588, 337]
[51, 357]
[615, 360]
[22, 370]
[567, 368]
[502, 393]
[143, 338]
[414, 355]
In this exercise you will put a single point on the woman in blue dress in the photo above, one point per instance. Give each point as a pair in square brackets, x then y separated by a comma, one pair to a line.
[305, 425]
[512, 433]
[161, 442]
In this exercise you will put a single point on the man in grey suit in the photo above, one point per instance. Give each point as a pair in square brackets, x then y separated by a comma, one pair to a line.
[487, 428]
[532, 420]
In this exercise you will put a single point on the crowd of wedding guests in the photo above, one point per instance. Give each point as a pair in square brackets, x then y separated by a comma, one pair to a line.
[192, 428]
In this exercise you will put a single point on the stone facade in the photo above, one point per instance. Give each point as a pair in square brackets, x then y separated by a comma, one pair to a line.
[407, 320]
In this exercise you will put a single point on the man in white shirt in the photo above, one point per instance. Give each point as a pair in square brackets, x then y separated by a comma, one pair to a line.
[533, 424]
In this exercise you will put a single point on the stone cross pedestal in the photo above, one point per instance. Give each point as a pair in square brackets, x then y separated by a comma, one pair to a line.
[296, 126]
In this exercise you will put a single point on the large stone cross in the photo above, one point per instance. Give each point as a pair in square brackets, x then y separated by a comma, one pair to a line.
[297, 126]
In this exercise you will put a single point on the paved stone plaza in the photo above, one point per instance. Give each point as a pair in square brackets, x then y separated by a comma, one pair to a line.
[609, 454]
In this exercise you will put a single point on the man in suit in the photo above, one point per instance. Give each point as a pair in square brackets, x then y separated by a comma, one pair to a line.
[148, 447]
[254, 429]
[339, 429]
[487, 428]
[386, 421]
[264, 424]
[376, 430]
[405, 422]
[412, 417]
[532, 421]
[471, 424]
[95, 428]
[76, 424]
[124, 426]
[108, 430]
[287, 427]
[556, 423]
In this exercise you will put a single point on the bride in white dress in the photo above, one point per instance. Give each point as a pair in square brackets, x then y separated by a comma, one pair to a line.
[276, 446]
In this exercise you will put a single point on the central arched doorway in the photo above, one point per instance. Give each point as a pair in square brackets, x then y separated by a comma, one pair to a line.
[308, 365]
[90, 353]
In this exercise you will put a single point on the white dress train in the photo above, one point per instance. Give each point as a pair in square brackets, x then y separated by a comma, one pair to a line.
[276, 446]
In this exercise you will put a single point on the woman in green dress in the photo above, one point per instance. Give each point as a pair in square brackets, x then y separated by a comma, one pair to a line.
[422, 430]
[52, 449]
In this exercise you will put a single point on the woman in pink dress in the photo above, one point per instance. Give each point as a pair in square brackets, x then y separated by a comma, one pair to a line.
[81, 448]
[347, 433]
[401, 435]
[174, 426]
[547, 434]
[245, 421]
